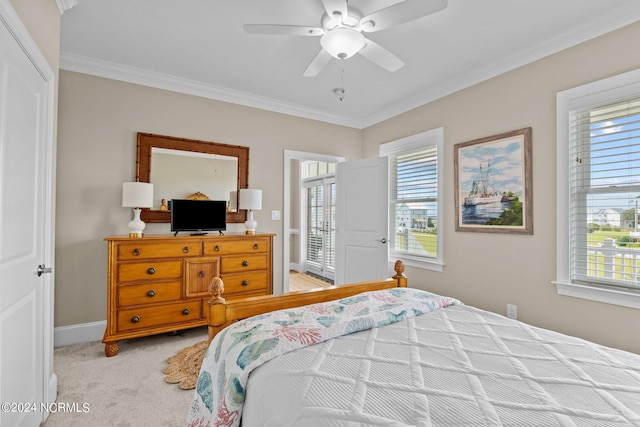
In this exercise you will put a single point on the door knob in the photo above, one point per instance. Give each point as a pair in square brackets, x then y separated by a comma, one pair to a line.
[43, 270]
[383, 240]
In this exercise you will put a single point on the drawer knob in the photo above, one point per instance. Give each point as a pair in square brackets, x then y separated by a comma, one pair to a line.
[216, 248]
[245, 283]
[245, 263]
[186, 312]
[151, 270]
[185, 249]
[256, 246]
[201, 274]
[136, 252]
[135, 319]
[151, 293]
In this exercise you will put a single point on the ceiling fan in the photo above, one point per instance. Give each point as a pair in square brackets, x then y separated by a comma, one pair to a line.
[342, 27]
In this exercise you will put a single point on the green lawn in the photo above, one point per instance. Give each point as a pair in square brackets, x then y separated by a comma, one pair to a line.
[427, 240]
[597, 237]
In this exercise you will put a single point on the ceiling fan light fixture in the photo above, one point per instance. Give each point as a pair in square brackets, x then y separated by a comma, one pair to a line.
[343, 42]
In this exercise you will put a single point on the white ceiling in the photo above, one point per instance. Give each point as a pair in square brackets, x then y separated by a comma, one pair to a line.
[199, 47]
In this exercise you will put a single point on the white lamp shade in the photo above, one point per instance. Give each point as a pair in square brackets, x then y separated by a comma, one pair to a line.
[251, 199]
[137, 195]
[343, 42]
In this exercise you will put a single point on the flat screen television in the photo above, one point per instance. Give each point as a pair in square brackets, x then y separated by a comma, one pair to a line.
[198, 216]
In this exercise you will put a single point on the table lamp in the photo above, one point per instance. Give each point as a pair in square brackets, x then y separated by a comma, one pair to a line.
[137, 195]
[251, 200]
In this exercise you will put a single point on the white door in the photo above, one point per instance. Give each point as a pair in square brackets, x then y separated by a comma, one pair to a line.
[362, 220]
[25, 167]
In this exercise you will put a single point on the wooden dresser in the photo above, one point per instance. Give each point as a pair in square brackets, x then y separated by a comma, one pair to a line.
[160, 284]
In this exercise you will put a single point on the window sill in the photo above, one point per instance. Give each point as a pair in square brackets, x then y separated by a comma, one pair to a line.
[433, 265]
[608, 296]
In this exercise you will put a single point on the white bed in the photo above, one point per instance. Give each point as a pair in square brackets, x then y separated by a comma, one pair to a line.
[457, 366]
[402, 357]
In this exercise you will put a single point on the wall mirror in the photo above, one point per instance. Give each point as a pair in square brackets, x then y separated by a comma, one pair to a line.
[179, 168]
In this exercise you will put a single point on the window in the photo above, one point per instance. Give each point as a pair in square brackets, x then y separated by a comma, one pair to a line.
[599, 191]
[319, 183]
[415, 207]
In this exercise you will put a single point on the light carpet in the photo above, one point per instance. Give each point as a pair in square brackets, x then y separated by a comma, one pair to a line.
[125, 390]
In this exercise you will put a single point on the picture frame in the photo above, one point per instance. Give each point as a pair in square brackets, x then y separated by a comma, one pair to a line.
[493, 184]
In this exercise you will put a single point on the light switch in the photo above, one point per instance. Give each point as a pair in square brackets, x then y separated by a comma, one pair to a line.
[275, 215]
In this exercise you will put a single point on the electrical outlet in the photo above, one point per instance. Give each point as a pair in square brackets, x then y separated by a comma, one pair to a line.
[512, 311]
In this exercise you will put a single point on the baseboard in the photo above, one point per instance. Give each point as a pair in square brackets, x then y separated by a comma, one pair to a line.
[76, 334]
[295, 266]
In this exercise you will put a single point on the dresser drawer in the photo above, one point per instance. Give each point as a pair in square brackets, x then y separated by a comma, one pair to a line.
[231, 247]
[244, 282]
[158, 315]
[233, 264]
[146, 250]
[148, 293]
[149, 270]
[198, 273]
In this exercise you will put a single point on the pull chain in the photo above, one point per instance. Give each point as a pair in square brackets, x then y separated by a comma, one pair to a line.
[340, 90]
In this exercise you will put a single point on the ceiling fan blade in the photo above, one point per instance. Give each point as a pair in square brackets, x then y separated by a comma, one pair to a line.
[286, 30]
[332, 6]
[399, 13]
[381, 56]
[319, 62]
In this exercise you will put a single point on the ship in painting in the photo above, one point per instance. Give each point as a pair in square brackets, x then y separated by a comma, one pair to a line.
[480, 193]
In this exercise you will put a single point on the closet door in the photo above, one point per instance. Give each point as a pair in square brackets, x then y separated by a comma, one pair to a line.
[25, 231]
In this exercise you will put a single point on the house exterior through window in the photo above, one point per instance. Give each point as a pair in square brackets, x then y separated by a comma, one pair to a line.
[415, 205]
[599, 191]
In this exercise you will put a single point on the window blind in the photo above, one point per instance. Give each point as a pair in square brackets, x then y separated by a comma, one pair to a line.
[414, 201]
[315, 222]
[605, 194]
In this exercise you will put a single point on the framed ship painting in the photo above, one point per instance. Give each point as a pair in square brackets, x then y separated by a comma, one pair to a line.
[493, 185]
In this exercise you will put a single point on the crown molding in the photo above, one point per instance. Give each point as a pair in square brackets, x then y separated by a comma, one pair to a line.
[110, 70]
[64, 5]
[611, 21]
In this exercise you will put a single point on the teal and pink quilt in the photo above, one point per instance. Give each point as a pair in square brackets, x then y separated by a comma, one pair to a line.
[245, 345]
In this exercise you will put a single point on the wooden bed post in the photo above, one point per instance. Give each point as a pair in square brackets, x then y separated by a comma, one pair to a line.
[217, 317]
[399, 276]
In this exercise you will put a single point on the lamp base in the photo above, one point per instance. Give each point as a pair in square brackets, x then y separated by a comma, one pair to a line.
[250, 224]
[136, 226]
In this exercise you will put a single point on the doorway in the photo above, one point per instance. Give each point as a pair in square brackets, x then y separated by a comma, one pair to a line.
[294, 210]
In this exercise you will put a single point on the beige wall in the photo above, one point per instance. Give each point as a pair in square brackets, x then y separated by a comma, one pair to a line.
[42, 19]
[492, 270]
[98, 122]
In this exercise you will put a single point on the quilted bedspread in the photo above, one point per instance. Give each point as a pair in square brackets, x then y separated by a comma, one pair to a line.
[243, 346]
[460, 366]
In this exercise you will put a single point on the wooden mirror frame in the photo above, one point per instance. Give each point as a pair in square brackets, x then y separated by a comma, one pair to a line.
[146, 141]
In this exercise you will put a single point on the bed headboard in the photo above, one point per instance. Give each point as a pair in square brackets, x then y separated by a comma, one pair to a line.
[222, 313]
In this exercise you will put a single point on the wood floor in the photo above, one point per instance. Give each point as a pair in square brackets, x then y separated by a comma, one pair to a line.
[301, 281]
